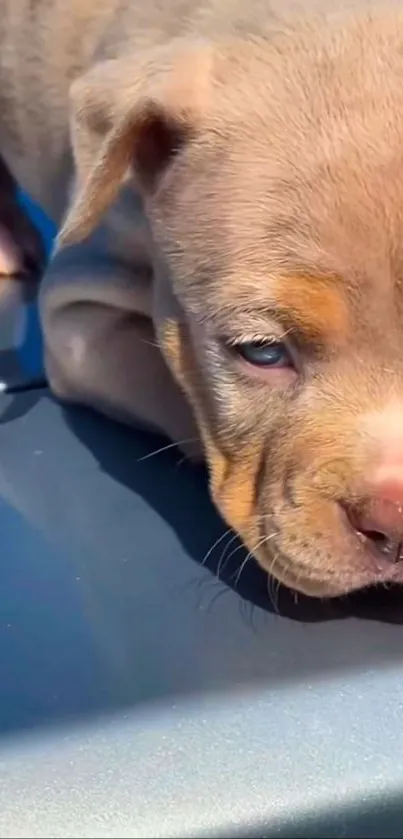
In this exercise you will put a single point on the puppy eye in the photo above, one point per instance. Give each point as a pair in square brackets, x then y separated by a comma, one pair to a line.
[273, 354]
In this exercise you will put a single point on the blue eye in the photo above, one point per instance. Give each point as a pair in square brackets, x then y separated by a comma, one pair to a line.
[265, 354]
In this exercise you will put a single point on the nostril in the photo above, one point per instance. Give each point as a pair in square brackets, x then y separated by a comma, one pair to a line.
[383, 544]
[390, 547]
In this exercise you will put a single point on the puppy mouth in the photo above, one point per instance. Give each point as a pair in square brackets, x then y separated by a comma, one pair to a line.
[369, 565]
[296, 577]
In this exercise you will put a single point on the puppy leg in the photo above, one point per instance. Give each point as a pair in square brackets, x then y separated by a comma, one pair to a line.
[21, 247]
[100, 346]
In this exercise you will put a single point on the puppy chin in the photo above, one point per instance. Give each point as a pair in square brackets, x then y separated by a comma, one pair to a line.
[320, 560]
[304, 581]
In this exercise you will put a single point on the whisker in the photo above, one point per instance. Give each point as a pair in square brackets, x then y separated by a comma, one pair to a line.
[299, 577]
[248, 557]
[166, 448]
[246, 610]
[152, 344]
[238, 548]
[216, 597]
[223, 562]
[184, 459]
[272, 591]
[215, 545]
[271, 581]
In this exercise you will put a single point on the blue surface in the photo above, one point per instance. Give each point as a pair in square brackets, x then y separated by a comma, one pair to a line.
[21, 365]
[175, 708]
[40, 219]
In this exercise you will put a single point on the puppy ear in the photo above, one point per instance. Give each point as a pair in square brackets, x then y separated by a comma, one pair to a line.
[132, 116]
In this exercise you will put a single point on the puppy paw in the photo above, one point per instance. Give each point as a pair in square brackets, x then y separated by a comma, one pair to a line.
[22, 252]
[11, 257]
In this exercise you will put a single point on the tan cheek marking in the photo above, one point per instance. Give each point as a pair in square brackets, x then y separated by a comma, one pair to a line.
[231, 480]
[175, 344]
[315, 306]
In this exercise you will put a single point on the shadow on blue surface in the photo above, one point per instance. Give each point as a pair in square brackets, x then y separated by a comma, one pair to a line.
[110, 450]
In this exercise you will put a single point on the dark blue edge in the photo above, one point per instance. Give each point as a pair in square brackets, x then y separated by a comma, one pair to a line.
[30, 351]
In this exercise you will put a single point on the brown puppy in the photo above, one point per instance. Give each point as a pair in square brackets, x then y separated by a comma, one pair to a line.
[244, 168]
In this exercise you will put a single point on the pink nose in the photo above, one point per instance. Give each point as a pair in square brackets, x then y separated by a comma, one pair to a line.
[380, 520]
[381, 524]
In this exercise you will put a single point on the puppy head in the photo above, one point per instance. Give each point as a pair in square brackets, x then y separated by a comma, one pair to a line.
[271, 170]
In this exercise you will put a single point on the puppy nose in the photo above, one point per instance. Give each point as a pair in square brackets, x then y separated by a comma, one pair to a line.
[380, 519]
[381, 525]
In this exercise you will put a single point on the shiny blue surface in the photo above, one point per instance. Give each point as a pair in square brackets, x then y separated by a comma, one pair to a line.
[30, 350]
[159, 700]
[46, 227]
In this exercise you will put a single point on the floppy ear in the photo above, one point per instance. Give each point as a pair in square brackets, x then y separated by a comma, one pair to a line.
[132, 115]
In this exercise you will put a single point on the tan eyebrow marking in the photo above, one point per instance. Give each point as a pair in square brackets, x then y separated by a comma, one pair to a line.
[314, 304]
